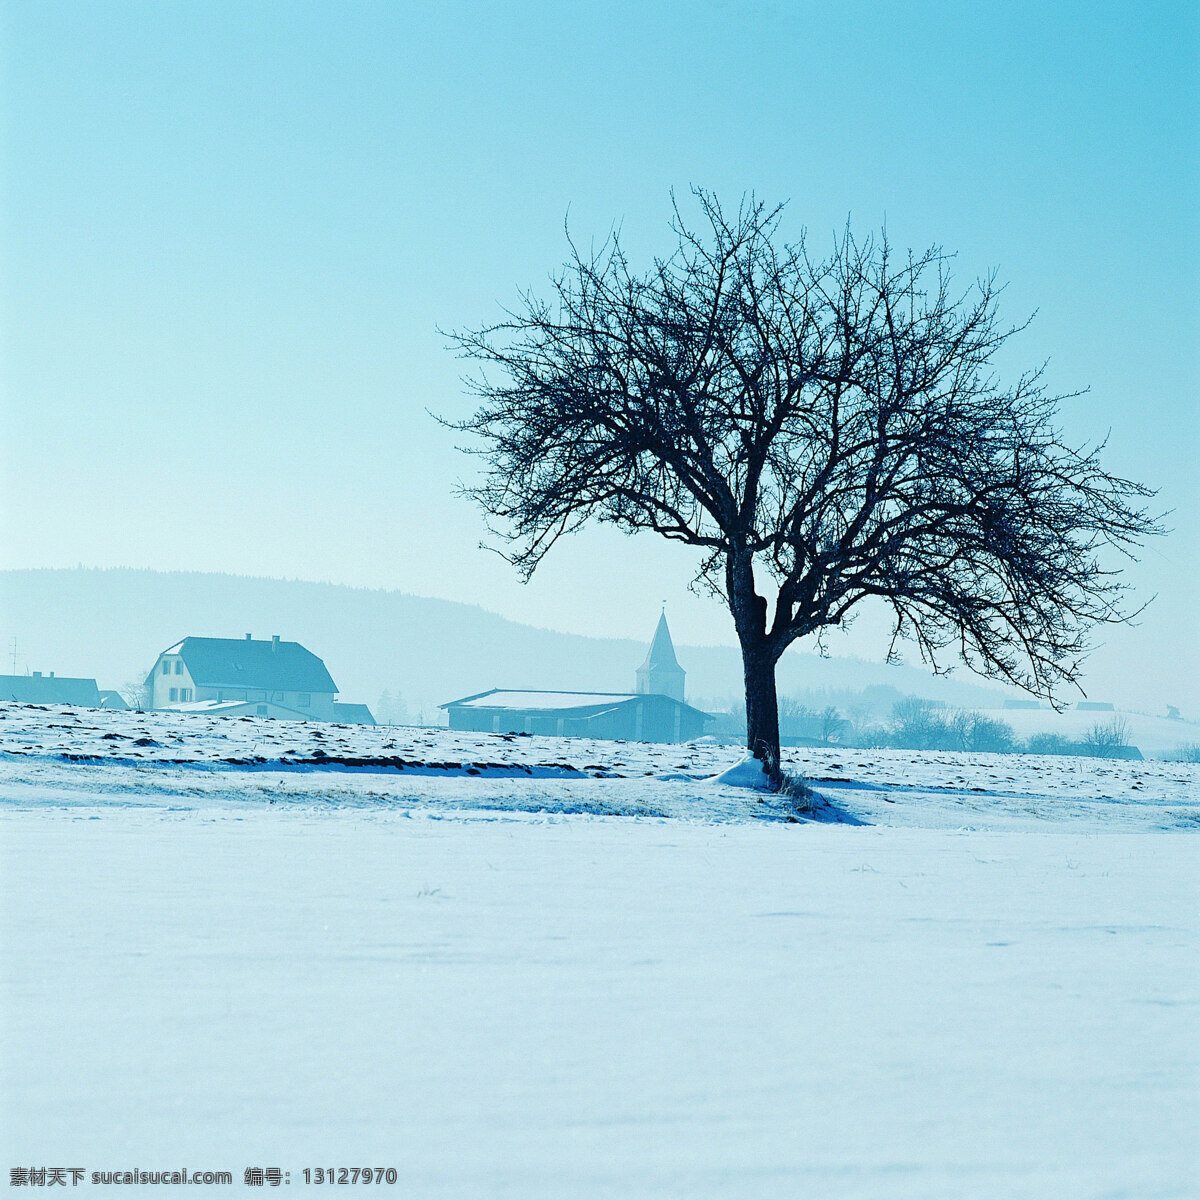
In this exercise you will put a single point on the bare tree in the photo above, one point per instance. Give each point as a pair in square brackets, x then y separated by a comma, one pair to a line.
[1047, 743]
[919, 724]
[987, 734]
[137, 691]
[824, 430]
[1109, 739]
[832, 724]
[795, 717]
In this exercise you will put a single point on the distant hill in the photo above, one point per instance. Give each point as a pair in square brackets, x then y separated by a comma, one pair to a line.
[112, 624]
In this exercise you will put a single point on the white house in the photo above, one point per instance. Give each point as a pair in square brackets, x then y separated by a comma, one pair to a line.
[236, 677]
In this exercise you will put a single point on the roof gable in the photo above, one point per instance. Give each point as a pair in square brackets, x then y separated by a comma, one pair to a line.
[233, 662]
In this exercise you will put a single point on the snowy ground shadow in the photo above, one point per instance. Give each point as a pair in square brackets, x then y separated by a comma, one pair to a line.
[815, 808]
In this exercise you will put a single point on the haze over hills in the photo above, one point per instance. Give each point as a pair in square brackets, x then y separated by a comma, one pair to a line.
[112, 624]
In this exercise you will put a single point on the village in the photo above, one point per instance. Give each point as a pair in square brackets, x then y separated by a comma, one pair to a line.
[284, 680]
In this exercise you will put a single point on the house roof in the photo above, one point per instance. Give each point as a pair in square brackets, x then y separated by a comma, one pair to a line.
[231, 708]
[218, 708]
[242, 662]
[49, 689]
[532, 701]
[498, 698]
[352, 714]
[662, 652]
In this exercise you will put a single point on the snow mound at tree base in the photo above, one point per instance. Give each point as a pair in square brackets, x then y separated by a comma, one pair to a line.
[747, 772]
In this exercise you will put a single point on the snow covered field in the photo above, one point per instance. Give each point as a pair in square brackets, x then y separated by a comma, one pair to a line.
[526, 967]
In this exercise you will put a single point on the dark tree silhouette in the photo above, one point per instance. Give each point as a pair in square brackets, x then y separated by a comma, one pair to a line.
[825, 430]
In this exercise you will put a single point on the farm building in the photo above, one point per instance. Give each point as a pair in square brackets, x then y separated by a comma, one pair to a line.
[654, 712]
[56, 689]
[245, 677]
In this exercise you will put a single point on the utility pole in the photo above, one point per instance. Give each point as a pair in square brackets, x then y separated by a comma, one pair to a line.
[14, 655]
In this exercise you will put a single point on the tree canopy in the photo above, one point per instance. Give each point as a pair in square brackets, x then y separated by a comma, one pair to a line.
[825, 429]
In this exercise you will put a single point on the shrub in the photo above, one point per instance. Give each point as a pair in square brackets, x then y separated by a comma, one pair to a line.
[1048, 743]
[1107, 739]
[922, 725]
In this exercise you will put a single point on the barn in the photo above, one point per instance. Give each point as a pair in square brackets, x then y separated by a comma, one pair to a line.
[619, 716]
[654, 712]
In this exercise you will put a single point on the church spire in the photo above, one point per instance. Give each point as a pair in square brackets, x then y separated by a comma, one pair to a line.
[661, 673]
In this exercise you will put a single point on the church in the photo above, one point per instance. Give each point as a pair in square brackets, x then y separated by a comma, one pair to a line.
[653, 712]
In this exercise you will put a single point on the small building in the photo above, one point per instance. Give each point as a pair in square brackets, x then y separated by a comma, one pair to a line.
[245, 677]
[654, 712]
[50, 689]
[352, 714]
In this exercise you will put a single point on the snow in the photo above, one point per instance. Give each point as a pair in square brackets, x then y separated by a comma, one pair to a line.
[212, 707]
[747, 772]
[590, 970]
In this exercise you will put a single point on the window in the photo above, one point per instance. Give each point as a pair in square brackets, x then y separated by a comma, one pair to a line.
[277, 697]
[179, 666]
[166, 667]
[262, 710]
[185, 693]
[173, 695]
[304, 699]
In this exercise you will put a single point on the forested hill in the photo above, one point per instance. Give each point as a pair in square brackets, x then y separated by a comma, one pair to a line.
[112, 624]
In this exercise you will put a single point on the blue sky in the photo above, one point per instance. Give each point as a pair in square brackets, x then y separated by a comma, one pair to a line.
[231, 231]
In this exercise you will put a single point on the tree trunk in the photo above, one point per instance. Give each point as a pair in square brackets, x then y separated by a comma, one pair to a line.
[758, 661]
[762, 709]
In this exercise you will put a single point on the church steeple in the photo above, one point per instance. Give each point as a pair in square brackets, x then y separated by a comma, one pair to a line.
[661, 674]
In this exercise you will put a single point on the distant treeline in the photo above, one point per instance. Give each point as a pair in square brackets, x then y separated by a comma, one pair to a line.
[915, 723]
